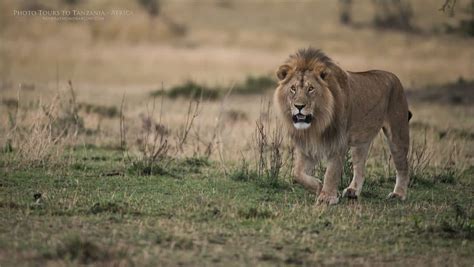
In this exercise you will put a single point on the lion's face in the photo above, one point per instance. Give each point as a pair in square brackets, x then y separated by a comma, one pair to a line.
[304, 97]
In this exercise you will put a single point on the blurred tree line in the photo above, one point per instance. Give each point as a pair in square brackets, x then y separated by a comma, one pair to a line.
[151, 7]
[398, 15]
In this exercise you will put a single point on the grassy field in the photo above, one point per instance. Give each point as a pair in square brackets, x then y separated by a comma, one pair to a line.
[100, 211]
[130, 142]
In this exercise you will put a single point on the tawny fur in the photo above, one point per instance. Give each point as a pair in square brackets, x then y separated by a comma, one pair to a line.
[348, 110]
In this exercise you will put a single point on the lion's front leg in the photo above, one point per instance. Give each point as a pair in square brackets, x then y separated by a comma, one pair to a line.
[303, 166]
[332, 178]
[359, 156]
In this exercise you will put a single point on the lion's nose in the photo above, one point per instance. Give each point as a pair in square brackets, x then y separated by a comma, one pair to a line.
[299, 106]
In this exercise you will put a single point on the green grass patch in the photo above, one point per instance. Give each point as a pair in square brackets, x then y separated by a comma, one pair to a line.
[195, 215]
[193, 90]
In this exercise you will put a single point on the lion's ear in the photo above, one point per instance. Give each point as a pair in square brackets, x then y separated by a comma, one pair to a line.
[282, 72]
[324, 74]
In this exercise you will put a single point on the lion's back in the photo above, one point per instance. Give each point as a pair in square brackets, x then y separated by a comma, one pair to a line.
[370, 94]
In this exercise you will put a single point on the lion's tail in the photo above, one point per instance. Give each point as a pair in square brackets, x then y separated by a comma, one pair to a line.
[409, 115]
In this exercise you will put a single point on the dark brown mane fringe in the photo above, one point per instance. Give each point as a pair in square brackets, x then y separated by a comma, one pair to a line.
[308, 59]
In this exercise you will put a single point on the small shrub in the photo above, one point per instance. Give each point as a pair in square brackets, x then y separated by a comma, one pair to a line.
[273, 160]
[191, 90]
[268, 146]
[158, 149]
[153, 146]
[104, 111]
[255, 85]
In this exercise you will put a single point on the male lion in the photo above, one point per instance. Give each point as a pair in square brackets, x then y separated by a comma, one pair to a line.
[327, 110]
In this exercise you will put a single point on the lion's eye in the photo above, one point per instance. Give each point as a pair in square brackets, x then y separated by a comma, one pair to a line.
[310, 88]
[293, 89]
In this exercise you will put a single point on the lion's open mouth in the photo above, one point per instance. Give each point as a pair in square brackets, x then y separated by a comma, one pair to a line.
[301, 121]
[300, 118]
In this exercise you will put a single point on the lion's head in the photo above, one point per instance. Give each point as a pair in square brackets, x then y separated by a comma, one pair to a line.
[307, 91]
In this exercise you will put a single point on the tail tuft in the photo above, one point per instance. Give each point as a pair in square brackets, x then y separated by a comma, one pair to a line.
[409, 115]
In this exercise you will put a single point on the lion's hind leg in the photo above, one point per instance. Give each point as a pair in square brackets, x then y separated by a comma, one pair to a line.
[398, 140]
[359, 156]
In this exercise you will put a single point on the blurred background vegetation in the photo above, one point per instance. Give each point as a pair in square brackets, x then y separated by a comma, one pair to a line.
[121, 54]
[218, 42]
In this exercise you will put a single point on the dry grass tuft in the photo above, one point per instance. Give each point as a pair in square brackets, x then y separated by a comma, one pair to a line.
[152, 142]
[273, 160]
[40, 137]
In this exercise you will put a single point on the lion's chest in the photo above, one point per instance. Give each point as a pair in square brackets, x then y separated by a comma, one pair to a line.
[319, 150]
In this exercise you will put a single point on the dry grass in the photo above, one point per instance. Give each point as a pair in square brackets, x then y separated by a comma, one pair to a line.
[106, 61]
[42, 135]
[205, 129]
[227, 51]
[273, 155]
[119, 61]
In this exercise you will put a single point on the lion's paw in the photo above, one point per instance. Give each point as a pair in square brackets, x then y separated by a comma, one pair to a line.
[397, 196]
[350, 193]
[327, 199]
[317, 190]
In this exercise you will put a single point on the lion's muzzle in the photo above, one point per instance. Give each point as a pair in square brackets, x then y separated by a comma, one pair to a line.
[301, 121]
